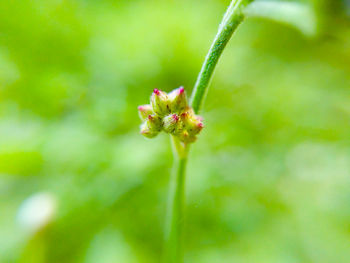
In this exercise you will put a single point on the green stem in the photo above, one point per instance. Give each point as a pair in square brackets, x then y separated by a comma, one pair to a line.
[175, 214]
[232, 18]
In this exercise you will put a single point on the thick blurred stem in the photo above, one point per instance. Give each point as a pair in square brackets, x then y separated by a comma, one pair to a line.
[328, 12]
[175, 214]
[232, 18]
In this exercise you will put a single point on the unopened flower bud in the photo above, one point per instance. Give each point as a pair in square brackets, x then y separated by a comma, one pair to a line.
[160, 102]
[195, 126]
[178, 100]
[154, 122]
[151, 127]
[172, 123]
[145, 111]
[192, 123]
[147, 131]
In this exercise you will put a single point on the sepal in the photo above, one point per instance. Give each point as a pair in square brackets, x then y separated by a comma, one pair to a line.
[178, 100]
[160, 103]
[172, 123]
[145, 111]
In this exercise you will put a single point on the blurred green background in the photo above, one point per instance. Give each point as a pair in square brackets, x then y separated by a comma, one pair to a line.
[268, 180]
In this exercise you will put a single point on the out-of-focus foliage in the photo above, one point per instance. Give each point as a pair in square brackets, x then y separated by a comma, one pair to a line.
[268, 180]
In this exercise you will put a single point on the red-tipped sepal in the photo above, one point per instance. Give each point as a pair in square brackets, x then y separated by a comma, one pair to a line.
[160, 103]
[192, 123]
[145, 111]
[151, 127]
[172, 123]
[178, 100]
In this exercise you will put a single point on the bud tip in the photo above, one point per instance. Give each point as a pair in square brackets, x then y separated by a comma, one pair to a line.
[181, 90]
[156, 91]
[175, 117]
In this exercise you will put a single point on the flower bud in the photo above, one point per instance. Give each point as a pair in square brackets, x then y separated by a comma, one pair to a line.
[160, 102]
[172, 123]
[195, 127]
[178, 100]
[187, 114]
[147, 131]
[151, 127]
[154, 122]
[192, 123]
[145, 111]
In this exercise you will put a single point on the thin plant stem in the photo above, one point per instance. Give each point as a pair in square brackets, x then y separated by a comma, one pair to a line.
[232, 19]
[175, 213]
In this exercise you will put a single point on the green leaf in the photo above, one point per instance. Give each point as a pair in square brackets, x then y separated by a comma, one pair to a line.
[298, 15]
